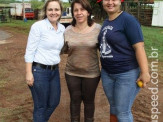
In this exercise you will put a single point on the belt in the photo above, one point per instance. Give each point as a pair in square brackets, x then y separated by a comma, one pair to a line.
[51, 67]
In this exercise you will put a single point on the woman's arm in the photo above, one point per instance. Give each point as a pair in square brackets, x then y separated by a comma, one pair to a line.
[143, 63]
[32, 44]
[65, 48]
[29, 74]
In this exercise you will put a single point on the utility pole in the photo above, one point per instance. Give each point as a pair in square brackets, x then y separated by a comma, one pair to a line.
[23, 10]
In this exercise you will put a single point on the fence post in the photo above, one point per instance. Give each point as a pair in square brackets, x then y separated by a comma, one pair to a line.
[138, 13]
[126, 7]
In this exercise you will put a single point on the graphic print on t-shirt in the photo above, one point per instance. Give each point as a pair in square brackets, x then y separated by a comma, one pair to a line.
[105, 49]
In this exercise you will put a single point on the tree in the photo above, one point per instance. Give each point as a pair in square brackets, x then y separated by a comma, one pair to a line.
[97, 8]
[37, 4]
[70, 1]
[8, 1]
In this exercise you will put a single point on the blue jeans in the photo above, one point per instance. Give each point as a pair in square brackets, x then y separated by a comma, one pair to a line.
[121, 90]
[45, 92]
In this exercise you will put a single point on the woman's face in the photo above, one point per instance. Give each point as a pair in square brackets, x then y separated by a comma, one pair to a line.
[53, 11]
[80, 14]
[112, 6]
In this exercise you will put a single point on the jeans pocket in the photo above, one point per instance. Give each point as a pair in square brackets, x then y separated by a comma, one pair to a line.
[38, 73]
[37, 69]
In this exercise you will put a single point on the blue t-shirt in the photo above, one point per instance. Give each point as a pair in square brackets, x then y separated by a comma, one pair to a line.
[115, 42]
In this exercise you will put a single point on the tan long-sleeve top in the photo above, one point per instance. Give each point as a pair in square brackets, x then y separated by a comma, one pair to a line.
[82, 58]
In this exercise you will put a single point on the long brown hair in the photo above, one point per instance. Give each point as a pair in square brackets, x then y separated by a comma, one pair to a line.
[47, 3]
[86, 5]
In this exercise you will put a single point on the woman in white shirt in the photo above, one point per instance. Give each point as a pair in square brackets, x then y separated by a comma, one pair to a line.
[42, 57]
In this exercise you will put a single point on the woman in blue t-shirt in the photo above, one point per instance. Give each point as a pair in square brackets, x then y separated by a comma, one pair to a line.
[123, 60]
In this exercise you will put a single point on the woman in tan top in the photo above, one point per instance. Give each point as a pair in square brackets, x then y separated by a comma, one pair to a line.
[82, 70]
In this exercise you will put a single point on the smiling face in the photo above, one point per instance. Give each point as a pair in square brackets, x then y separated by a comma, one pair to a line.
[112, 6]
[80, 14]
[53, 12]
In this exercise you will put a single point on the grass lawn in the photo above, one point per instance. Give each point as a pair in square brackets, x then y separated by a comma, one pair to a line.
[19, 25]
[153, 36]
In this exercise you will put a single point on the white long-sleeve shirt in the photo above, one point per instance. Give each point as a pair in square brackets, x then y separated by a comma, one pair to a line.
[44, 43]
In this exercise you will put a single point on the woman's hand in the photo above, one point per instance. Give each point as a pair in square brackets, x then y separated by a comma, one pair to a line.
[29, 74]
[29, 78]
[145, 78]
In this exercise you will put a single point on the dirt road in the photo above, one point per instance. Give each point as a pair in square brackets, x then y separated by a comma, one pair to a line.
[15, 98]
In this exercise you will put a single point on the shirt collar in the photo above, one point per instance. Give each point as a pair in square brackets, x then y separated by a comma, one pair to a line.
[49, 26]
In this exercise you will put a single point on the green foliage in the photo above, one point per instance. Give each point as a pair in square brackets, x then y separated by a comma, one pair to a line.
[95, 6]
[8, 1]
[36, 4]
[65, 5]
[97, 9]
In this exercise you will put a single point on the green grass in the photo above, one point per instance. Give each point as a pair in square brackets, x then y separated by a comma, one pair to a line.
[19, 25]
[153, 38]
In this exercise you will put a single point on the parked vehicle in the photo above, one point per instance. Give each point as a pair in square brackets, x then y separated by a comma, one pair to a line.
[17, 10]
[66, 18]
